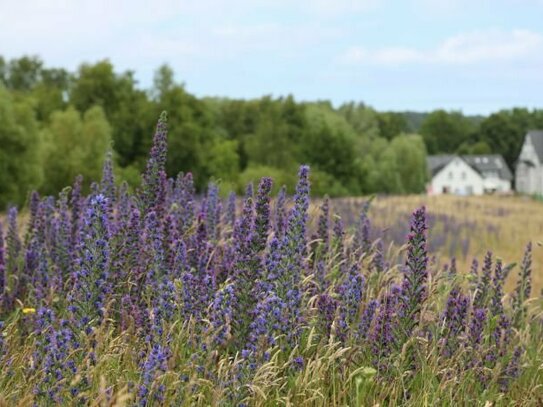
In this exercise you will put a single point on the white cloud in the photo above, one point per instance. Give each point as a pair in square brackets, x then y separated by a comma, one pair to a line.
[462, 49]
[249, 47]
[69, 31]
[489, 46]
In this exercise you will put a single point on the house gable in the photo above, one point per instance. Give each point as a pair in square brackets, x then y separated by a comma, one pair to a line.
[457, 177]
[536, 140]
[529, 171]
[528, 152]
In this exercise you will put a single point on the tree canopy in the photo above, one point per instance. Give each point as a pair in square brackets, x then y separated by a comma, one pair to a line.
[55, 124]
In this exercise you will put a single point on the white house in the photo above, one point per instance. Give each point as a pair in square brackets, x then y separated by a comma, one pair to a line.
[529, 168]
[468, 175]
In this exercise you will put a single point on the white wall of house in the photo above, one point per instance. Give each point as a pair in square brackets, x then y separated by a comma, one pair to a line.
[528, 179]
[493, 182]
[457, 177]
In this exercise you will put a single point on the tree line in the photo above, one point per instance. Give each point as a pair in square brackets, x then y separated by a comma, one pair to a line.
[55, 124]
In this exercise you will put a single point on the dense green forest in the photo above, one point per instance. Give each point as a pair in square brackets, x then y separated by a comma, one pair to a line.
[55, 124]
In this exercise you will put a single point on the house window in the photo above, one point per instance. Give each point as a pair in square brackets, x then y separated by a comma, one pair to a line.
[450, 175]
[464, 176]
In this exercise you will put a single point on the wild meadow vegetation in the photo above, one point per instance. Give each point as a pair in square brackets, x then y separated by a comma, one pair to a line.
[165, 297]
[461, 228]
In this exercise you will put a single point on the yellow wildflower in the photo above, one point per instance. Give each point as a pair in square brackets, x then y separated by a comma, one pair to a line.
[29, 310]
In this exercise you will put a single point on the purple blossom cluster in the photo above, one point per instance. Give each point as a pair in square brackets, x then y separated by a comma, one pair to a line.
[234, 279]
[452, 234]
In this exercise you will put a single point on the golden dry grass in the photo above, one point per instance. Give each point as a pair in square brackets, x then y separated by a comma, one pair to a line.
[517, 220]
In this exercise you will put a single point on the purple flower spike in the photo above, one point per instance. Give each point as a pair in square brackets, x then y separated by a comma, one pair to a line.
[326, 307]
[155, 364]
[324, 223]
[92, 266]
[231, 210]
[414, 289]
[280, 212]
[512, 370]
[262, 219]
[454, 318]
[362, 239]
[481, 294]
[524, 284]
[367, 318]
[156, 165]
[222, 314]
[476, 326]
[107, 185]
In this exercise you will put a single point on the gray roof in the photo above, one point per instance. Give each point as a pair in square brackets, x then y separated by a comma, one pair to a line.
[489, 162]
[537, 140]
[480, 163]
[437, 162]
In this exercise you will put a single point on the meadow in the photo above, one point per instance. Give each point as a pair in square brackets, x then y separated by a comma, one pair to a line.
[162, 297]
[462, 228]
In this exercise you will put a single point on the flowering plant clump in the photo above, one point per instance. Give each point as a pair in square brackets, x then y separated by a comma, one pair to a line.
[163, 297]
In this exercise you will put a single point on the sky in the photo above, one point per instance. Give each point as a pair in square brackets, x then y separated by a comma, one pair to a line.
[476, 56]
